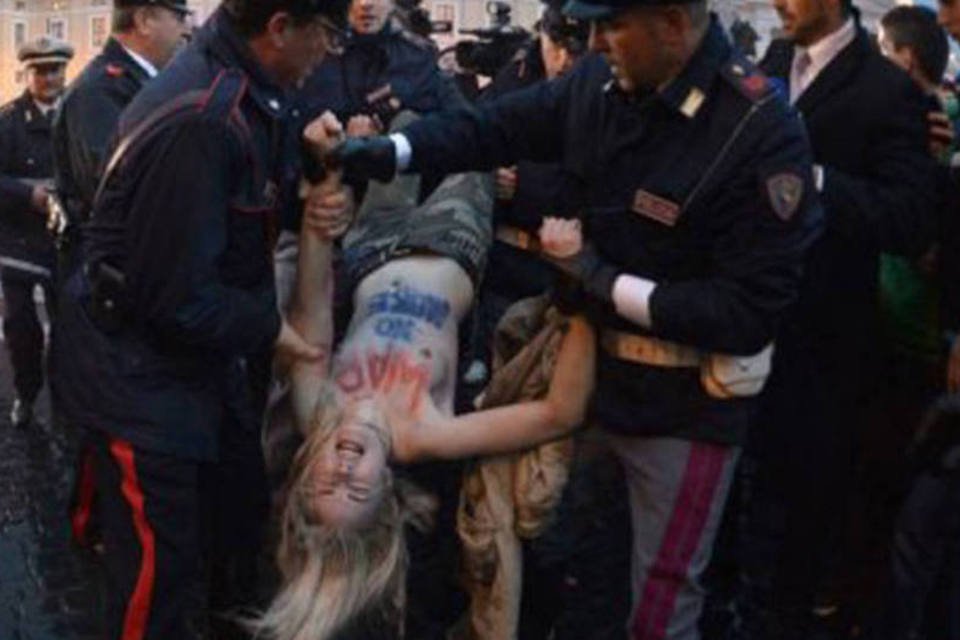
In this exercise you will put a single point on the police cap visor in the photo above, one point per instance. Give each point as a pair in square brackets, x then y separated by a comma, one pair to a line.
[601, 9]
[180, 6]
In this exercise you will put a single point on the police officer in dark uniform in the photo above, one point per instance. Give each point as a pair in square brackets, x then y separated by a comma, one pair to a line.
[146, 35]
[530, 190]
[699, 207]
[26, 249]
[381, 70]
[175, 297]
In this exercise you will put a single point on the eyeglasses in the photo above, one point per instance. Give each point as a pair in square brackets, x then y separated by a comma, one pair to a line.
[336, 38]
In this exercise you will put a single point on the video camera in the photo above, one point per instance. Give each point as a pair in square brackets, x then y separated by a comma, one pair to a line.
[495, 45]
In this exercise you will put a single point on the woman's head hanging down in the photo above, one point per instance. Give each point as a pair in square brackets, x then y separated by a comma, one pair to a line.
[387, 393]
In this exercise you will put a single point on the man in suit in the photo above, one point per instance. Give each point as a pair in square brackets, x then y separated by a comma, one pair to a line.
[867, 125]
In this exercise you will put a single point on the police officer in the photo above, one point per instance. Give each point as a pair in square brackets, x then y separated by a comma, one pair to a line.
[175, 297]
[146, 35]
[26, 250]
[381, 70]
[530, 190]
[699, 206]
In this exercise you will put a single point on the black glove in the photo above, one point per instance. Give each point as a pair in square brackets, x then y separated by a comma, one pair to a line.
[364, 158]
[589, 270]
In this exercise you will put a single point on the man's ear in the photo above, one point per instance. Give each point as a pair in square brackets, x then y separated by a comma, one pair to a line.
[278, 27]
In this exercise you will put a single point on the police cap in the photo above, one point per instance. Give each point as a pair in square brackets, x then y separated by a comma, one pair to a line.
[598, 9]
[180, 6]
[45, 50]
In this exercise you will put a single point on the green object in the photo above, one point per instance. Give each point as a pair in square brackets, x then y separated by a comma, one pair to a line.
[910, 308]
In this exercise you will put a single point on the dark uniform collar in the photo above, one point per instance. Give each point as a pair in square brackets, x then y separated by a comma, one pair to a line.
[33, 117]
[219, 37]
[114, 53]
[686, 93]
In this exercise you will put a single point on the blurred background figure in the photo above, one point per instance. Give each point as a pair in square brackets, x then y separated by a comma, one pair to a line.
[26, 181]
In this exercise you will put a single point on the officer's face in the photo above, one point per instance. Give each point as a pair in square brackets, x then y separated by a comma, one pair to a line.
[369, 16]
[167, 31]
[805, 21]
[634, 44]
[948, 15]
[45, 82]
[301, 48]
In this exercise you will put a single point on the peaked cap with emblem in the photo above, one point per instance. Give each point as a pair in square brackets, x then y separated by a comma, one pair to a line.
[45, 50]
[598, 9]
[180, 6]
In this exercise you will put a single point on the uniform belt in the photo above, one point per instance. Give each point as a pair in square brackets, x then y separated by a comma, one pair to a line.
[519, 238]
[646, 350]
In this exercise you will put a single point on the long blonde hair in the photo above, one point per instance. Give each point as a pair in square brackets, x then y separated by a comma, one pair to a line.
[331, 575]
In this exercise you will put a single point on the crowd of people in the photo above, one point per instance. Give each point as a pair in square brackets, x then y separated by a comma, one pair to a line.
[645, 341]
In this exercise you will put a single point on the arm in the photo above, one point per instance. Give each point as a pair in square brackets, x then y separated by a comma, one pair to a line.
[889, 206]
[15, 195]
[328, 210]
[512, 427]
[526, 124]
[754, 256]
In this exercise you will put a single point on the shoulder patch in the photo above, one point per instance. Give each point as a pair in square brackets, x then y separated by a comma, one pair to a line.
[785, 193]
[114, 70]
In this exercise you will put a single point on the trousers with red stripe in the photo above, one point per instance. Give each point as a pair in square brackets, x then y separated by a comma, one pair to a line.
[175, 531]
[677, 490]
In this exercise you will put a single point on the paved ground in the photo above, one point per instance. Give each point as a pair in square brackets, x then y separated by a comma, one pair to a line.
[48, 590]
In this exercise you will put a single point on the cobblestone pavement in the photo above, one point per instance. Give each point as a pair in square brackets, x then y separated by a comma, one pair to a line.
[48, 589]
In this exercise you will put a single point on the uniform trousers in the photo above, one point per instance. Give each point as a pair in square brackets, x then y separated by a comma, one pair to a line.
[23, 331]
[181, 537]
[677, 491]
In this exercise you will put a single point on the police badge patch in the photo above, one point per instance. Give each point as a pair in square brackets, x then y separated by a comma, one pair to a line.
[785, 191]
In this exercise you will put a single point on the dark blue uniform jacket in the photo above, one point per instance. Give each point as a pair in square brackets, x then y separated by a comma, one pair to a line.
[543, 189]
[404, 62]
[25, 156]
[188, 217]
[86, 121]
[704, 187]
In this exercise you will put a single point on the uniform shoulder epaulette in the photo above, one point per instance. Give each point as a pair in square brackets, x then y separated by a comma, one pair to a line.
[747, 79]
[415, 39]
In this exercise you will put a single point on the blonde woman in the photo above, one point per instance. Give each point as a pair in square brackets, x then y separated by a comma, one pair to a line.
[386, 394]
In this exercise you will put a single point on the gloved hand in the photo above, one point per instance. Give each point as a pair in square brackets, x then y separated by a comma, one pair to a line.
[364, 158]
[579, 263]
[587, 268]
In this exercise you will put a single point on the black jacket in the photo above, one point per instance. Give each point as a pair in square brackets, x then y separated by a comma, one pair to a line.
[543, 189]
[867, 125]
[379, 74]
[187, 217]
[25, 158]
[393, 58]
[86, 122]
[704, 187]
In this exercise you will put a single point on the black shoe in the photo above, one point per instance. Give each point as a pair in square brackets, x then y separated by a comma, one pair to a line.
[21, 414]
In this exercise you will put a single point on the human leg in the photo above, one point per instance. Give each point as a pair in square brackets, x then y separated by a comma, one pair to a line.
[677, 491]
[24, 338]
[150, 517]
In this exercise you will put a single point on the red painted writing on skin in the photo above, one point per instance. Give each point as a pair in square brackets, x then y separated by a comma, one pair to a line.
[384, 371]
